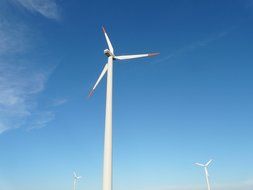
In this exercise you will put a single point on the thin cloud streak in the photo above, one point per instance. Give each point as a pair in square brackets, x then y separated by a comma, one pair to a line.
[41, 120]
[47, 8]
[59, 102]
[192, 47]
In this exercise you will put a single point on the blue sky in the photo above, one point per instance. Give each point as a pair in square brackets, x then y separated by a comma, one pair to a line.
[191, 103]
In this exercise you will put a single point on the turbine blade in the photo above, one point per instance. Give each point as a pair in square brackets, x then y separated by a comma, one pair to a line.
[200, 164]
[207, 164]
[125, 57]
[99, 79]
[108, 40]
[74, 174]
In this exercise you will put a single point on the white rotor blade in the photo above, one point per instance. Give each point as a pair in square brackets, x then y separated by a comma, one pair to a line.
[99, 78]
[208, 162]
[79, 177]
[108, 40]
[200, 164]
[125, 57]
[74, 173]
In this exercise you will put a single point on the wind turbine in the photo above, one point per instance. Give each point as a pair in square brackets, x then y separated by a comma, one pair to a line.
[206, 172]
[108, 68]
[76, 178]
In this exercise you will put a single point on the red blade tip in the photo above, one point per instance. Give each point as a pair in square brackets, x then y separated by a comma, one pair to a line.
[103, 28]
[91, 93]
[153, 54]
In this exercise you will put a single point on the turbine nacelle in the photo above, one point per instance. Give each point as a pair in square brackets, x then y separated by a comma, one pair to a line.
[76, 177]
[108, 53]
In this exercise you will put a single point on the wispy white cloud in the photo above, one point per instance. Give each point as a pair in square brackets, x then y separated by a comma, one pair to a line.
[59, 102]
[13, 37]
[19, 85]
[22, 78]
[47, 8]
[41, 119]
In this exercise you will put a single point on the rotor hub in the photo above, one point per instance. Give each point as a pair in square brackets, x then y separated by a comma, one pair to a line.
[108, 53]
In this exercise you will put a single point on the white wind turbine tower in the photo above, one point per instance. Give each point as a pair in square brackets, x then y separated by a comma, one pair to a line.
[206, 172]
[108, 68]
[76, 178]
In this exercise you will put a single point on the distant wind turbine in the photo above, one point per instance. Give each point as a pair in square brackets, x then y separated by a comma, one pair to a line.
[206, 172]
[76, 178]
[108, 68]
